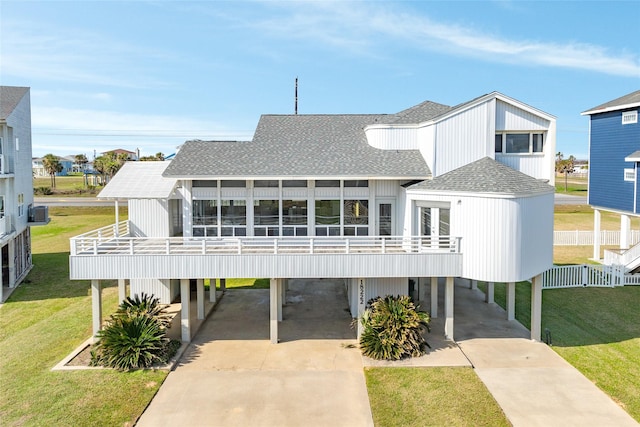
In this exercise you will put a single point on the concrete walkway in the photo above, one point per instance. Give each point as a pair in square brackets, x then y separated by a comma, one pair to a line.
[232, 376]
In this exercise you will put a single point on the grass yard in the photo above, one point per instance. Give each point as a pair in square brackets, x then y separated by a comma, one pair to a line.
[580, 217]
[597, 330]
[431, 397]
[65, 186]
[43, 321]
[576, 186]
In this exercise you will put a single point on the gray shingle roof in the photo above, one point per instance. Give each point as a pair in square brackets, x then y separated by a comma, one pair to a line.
[299, 146]
[485, 176]
[633, 157]
[10, 96]
[632, 98]
[420, 113]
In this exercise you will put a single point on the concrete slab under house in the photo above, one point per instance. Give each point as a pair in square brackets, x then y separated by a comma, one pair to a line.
[387, 203]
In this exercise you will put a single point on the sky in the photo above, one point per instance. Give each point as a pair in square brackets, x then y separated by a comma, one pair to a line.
[150, 75]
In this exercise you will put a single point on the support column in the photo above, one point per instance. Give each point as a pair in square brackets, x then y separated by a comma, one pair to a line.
[116, 232]
[536, 307]
[200, 298]
[511, 301]
[448, 309]
[96, 307]
[212, 290]
[489, 296]
[596, 234]
[185, 311]
[434, 297]
[273, 310]
[280, 297]
[625, 231]
[422, 290]
[362, 302]
[474, 284]
[223, 285]
[122, 290]
[12, 263]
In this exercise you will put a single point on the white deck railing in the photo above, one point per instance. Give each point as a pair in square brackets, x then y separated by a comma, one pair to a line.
[585, 237]
[105, 241]
[627, 257]
[572, 276]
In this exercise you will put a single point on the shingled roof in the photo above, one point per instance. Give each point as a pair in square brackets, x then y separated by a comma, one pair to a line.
[419, 113]
[485, 176]
[299, 146]
[630, 100]
[10, 96]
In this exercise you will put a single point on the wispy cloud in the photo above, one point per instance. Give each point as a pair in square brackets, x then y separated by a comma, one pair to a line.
[362, 28]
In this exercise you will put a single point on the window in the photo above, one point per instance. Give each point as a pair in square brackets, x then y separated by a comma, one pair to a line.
[265, 183]
[234, 183]
[334, 183]
[1, 206]
[20, 204]
[629, 117]
[519, 143]
[294, 217]
[205, 183]
[294, 183]
[356, 183]
[327, 217]
[266, 218]
[630, 175]
[233, 214]
[356, 217]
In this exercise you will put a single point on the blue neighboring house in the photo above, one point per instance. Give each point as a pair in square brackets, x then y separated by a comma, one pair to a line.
[614, 157]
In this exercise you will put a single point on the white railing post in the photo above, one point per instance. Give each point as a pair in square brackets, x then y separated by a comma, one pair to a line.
[346, 247]
[384, 245]
[311, 245]
[167, 247]
[239, 247]
[131, 246]
[275, 246]
[74, 249]
[95, 247]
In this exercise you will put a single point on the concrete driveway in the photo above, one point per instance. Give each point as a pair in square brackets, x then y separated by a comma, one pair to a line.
[232, 376]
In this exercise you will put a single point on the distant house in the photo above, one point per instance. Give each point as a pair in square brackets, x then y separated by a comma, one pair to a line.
[67, 162]
[614, 157]
[17, 212]
[386, 202]
[131, 155]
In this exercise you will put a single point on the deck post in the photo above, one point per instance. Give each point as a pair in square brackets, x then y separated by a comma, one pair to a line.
[185, 310]
[212, 290]
[625, 231]
[122, 290]
[223, 285]
[116, 231]
[536, 307]
[596, 234]
[448, 309]
[511, 300]
[489, 296]
[96, 307]
[434, 297]
[280, 297]
[273, 310]
[474, 284]
[362, 303]
[200, 298]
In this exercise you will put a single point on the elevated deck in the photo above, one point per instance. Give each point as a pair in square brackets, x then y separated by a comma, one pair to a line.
[112, 253]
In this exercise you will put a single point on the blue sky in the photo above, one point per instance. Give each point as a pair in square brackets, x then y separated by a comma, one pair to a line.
[152, 74]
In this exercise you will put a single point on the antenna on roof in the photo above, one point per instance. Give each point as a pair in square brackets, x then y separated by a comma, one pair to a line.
[296, 98]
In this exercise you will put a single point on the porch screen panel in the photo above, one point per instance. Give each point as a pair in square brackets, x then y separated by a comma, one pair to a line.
[233, 214]
[327, 217]
[384, 219]
[205, 218]
[294, 218]
[266, 218]
[444, 227]
[356, 217]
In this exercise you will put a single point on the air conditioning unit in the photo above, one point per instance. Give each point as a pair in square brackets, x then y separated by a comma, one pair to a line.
[39, 214]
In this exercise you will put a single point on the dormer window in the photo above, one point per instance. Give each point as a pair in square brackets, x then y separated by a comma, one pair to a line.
[519, 143]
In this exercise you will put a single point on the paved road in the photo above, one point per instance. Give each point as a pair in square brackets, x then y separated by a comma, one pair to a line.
[566, 199]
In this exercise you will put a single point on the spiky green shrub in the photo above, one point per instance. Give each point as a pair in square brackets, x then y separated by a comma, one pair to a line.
[393, 329]
[135, 337]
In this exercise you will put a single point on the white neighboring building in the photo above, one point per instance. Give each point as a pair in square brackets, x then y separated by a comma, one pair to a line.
[17, 212]
[433, 191]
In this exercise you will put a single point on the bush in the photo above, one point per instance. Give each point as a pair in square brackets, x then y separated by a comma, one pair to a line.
[135, 336]
[393, 329]
[45, 191]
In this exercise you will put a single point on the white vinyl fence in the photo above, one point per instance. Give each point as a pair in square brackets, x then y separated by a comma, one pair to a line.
[583, 275]
[585, 238]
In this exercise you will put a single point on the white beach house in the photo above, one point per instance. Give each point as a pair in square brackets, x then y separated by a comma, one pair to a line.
[375, 199]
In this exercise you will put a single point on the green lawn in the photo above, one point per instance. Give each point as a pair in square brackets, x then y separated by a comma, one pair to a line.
[431, 397]
[43, 321]
[66, 186]
[597, 330]
[576, 186]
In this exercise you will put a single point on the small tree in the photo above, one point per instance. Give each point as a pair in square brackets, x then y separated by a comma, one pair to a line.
[52, 165]
[565, 166]
[81, 160]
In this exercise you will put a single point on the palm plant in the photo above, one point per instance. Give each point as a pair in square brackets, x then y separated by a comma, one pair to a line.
[393, 328]
[144, 305]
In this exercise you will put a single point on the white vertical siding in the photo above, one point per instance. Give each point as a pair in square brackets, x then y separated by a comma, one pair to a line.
[426, 144]
[461, 139]
[386, 188]
[536, 166]
[510, 117]
[204, 193]
[536, 251]
[350, 192]
[386, 137]
[149, 217]
[382, 286]
[156, 287]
